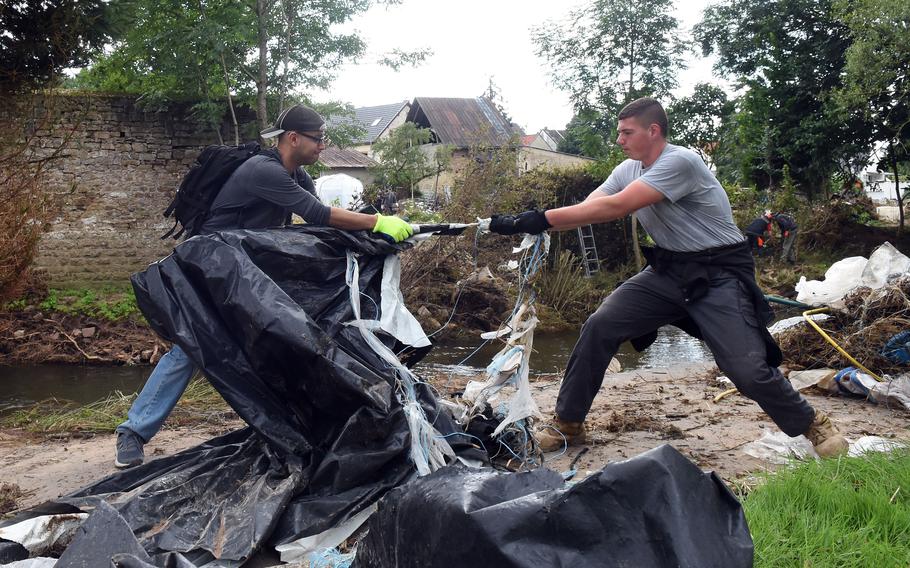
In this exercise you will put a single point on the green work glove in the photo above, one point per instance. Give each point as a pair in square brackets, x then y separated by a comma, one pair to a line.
[392, 228]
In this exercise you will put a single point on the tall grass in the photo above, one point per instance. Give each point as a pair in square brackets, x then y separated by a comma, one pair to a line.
[563, 287]
[849, 512]
[200, 403]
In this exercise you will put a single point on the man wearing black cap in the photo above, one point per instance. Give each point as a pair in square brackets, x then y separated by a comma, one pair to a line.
[267, 188]
[261, 193]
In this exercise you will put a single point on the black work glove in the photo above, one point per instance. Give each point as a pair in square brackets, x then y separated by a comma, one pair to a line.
[531, 222]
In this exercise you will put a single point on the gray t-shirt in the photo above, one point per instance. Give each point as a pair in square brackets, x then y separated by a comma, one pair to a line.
[262, 194]
[696, 213]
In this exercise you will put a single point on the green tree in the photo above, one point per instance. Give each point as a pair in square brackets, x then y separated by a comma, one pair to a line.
[607, 54]
[695, 121]
[40, 39]
[877, 77]
[211, 50]
[402, 161]
[587, 135]
[610, 52]
[789, 57]
[178, 51]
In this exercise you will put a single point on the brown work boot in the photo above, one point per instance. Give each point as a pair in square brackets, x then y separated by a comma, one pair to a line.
[825, 436]
[558, 434]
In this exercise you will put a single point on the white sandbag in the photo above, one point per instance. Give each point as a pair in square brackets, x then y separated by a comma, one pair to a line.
[843, 276]
[885, 264]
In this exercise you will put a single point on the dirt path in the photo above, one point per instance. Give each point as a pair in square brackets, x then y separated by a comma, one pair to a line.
[639, 410]
[48, 467]
[634, 412]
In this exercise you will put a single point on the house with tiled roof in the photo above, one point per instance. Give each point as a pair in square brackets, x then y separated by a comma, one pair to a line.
[376, 121]
[466, 123]
[546, 139]
[347, 161]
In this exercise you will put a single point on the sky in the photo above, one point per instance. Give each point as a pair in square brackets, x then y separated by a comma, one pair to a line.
[472, 41]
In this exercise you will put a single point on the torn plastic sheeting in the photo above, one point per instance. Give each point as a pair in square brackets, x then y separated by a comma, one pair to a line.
[810, 377]
[299, 550]
[656, 509]
[395, 317]
[512, 364]
[104, 535]
[780, 449]
[868, 444]
[429, 450]
[853, 382]
[38, 562]
[264, 314]
[788, 323]
[41, 534]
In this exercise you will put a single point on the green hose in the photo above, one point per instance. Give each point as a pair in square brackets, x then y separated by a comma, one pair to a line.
[786, 302]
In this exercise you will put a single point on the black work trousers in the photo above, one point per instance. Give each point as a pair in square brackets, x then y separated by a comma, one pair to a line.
[725, 315]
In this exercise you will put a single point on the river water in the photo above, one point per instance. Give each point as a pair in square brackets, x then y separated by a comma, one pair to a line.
[21, 386]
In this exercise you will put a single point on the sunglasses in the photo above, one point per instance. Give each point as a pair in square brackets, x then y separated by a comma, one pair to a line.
[324, 139]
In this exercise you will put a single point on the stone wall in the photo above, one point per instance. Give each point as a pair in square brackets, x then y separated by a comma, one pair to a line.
[117, 174]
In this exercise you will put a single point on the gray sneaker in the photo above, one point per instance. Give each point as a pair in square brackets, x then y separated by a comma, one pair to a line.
[129, 449]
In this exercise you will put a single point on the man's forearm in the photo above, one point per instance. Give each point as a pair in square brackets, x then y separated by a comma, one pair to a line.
[350, 220]
[588, 212]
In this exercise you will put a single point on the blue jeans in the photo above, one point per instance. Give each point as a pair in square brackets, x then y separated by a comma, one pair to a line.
[160, 394]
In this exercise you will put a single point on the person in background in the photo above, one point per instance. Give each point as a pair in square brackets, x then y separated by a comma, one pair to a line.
[262, 193]
[757, 233]
[788, 229]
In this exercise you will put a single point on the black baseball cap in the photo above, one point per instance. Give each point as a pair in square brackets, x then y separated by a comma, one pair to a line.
[299, 118]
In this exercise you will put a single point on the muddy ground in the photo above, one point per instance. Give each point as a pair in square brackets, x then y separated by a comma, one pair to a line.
[634, 412]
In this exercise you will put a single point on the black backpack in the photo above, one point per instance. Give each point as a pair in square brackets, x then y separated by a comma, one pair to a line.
[190, 207]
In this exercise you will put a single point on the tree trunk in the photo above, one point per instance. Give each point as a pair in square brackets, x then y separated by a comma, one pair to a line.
[230, 101]
[262, 111]
[635, 247]
[289, 20]
[227, 87]
[897, 189]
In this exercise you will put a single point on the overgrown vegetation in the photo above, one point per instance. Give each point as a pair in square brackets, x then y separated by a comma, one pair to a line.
[847, 512]
[106, 303]
[111, 303]
[200, 403]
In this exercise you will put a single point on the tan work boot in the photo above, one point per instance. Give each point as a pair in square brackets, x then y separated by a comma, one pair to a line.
[558, 434]
[825, 436]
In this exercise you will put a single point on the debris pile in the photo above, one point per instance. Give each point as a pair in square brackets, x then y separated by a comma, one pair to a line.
[868, 303]
[870, 318]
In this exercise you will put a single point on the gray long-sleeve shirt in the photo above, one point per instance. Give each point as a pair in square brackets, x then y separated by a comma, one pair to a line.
[262, 194]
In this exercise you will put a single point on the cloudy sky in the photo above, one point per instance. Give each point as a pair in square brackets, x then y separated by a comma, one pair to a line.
[473, 40]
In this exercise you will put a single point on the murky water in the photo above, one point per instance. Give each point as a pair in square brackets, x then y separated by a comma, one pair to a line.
[551, 352]
[20, 386]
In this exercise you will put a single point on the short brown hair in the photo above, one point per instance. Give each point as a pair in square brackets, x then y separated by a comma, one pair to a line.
[648, 111]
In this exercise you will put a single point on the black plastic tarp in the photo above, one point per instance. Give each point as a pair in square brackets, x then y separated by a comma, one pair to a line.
[263, 313]
[657, 509]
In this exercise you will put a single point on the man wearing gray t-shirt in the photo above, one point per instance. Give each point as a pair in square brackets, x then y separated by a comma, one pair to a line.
[700, 276]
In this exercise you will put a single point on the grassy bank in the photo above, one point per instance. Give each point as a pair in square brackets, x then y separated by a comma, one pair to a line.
[199, 404]
[849, 512]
